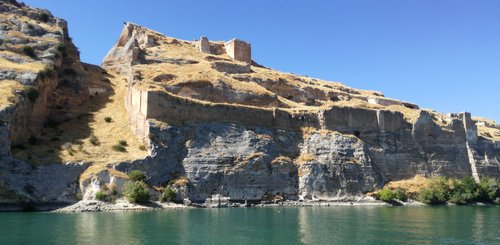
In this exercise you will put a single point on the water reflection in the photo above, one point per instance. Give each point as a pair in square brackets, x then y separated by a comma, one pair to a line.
[329, 225]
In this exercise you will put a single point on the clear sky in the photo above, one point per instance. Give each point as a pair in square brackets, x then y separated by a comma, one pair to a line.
[443, 55]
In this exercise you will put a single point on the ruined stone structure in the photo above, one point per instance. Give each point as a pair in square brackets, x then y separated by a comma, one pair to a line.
[203, 45]
[239, 50]
[235, 48]
[381, 145]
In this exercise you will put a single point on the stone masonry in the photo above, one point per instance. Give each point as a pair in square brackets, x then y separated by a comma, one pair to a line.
[239, 50]
[234, 48]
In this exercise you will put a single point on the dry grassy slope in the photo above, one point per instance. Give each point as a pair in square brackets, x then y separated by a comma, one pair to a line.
[486, 129]
[22, 27]
[176, 66]
[191, 73]
[70, 141]
[410, 185]
[12, 56]
[7, 88]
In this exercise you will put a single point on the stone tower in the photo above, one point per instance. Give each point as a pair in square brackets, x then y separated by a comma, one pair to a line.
[239, 50]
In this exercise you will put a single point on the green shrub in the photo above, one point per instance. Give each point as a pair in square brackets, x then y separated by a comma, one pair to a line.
[108, 119]
[137, 175]
[29, 51]
[401, 195]
[93, 140]
[488, 190]
[436, 193]
[119, 148]
[101, 196]
[136, 191]
[142, 148]
[44, 17]
[425, 195]
[386, 195]
[458, 198]
[31, 93]
[463, 191]
[168, 195]
[123, 143]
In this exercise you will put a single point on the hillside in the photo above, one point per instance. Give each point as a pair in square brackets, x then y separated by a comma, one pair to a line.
[204, 119]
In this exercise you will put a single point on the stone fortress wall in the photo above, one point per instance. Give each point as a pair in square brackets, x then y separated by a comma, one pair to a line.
[455, 146]
[164, 106]
[234, 48]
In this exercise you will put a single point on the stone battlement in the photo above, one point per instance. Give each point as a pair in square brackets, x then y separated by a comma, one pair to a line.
[234, 48]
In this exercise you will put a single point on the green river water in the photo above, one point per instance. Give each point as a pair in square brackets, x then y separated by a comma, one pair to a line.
[306, 225]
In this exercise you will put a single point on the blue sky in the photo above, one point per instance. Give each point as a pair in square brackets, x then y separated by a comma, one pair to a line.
[443, 55]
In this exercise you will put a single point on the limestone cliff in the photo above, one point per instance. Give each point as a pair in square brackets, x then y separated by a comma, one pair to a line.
[245, 132]
[41, 78]
[209, 121]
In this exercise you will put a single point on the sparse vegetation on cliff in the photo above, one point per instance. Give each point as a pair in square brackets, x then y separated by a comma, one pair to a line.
[136, 191]
[168, 194]
[441, 190]
[29, 51]
[388, 195]
[44, 17]
[92, 132]
[137, 175]
[93, 140]
[101, 196]
[120, 146]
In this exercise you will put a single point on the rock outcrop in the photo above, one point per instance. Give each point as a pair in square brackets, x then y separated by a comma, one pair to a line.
[217, 127]
[334, 145]
[39, 61]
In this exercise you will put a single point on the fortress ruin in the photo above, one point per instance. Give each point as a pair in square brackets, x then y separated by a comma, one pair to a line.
[235, 48]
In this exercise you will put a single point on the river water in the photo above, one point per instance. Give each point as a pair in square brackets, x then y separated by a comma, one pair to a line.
[305, 225]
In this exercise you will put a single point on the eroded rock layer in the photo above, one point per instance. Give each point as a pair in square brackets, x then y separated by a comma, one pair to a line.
[41, 79]
[245, 132]
[213, 124]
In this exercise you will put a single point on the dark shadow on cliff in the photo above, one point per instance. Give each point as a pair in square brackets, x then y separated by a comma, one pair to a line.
[65, 132]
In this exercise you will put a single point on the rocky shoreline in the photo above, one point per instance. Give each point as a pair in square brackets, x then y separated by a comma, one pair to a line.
[98, 206]
[122, 205]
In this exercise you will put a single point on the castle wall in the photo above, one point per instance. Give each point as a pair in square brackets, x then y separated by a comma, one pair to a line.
[170, 108]
[392, 139]
[136, 102]
[470, 127]
[239, 50]
[203, 45]
[143, 105]
[346, 119]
